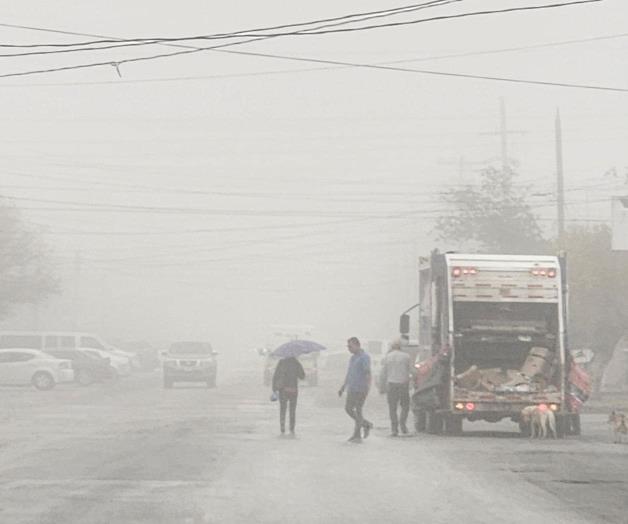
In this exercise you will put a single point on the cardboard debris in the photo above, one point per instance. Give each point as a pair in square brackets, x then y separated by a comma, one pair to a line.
[532, 377]
[470, 379]
[537, 363]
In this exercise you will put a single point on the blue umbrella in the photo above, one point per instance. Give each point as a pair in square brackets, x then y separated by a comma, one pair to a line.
[294, 348]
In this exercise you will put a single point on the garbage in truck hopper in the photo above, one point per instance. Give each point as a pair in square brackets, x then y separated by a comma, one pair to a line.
[532, 377]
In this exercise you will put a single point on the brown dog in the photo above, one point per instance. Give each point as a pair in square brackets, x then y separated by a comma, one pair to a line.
[617, 422]
[541, 419]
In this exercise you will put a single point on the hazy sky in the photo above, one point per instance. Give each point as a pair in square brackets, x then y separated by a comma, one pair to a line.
[248, 191]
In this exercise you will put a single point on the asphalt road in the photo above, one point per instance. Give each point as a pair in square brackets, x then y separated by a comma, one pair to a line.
[132, 452]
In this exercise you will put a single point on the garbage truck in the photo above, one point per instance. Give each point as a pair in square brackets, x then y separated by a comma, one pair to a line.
[494, 327]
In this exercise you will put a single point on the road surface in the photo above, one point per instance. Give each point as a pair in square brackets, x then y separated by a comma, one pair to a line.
[134, 453]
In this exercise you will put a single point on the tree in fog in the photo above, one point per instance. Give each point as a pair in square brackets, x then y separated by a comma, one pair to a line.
[492, 216]
[24, 274]
[598, 286]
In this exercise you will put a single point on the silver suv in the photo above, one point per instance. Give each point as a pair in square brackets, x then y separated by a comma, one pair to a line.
[190, 362]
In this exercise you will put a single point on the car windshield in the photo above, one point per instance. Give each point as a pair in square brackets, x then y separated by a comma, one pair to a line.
[187, 348]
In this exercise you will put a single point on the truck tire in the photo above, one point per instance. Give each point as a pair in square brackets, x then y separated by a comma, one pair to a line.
[434, 423]
[562, 422]
[453, 425]
[574, 424]
[420, 420]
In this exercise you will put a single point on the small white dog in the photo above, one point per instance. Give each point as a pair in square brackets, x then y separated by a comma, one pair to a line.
[617, 422]
[541, 420]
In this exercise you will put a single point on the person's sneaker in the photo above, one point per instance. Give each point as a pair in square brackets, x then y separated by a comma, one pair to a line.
[367, 429]
[404, 429]
[394, 434]
[355, 440]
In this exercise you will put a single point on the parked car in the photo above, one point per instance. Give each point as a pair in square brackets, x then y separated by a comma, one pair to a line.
[190, 362]
[62, 339]
[88, 368]
[21, 367]
[121, 365]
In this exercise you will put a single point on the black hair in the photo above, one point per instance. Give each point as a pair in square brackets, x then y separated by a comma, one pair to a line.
[354, 340]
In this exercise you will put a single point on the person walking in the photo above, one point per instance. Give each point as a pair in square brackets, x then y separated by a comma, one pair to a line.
[357, 384]
[394, 380]
[286, 385]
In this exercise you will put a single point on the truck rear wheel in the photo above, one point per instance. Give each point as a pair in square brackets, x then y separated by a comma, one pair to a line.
[562, 425]
[434, 423]
[420, 420]
[453, 425]
[574, 424]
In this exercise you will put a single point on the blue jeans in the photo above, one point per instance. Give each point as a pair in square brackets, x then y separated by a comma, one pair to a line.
[353, 407]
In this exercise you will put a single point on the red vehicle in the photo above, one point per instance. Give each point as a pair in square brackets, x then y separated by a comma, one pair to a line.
[495, 327]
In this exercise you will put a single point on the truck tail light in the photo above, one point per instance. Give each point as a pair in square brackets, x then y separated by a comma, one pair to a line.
[470, 406]
[543, 407]
[457, 272]
[543, 272]
[459, 406]
[554, 407]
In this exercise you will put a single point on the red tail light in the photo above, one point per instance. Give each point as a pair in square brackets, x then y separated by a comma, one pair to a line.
[543, 272]
[456, 272]
[469, 406]
[543, 407]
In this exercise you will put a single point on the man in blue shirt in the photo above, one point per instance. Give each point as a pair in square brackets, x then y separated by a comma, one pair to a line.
[357, 383]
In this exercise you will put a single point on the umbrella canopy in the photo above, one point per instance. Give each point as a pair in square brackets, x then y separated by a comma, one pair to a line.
[294, 348]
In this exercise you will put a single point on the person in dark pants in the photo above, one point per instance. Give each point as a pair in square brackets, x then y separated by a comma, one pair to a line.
[286, 384]
[394, 380]
[357, 384]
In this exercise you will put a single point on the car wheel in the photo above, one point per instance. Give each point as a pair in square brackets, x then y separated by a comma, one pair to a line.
[84, 377]
[43, 381]
[420, 420]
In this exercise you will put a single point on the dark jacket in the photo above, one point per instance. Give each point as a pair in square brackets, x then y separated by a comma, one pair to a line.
[287, 374]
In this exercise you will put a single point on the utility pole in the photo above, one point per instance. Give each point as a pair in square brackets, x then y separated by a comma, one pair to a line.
[560, 182]
[503, 133]
[78, 263]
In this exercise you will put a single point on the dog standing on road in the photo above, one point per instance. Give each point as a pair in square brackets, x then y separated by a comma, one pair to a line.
[617, 422]
[541, 420]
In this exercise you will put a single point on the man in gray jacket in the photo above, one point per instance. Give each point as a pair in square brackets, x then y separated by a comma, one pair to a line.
[394, 380]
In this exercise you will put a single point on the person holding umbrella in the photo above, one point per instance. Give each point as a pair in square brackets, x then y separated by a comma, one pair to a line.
[286, 385]
[286, 378]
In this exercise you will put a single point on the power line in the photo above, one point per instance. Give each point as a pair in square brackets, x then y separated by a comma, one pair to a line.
[254, 33]
[117, 63]
[484, 52]
[431, 72]
[108, 40]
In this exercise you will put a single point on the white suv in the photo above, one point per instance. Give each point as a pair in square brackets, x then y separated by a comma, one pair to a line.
[21, 367]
